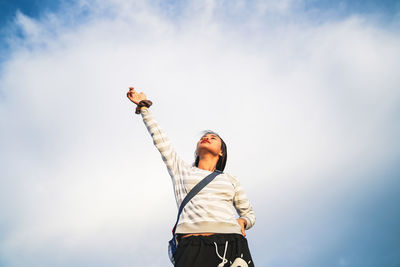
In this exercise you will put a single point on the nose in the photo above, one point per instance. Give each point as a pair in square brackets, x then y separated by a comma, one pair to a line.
[204, 138]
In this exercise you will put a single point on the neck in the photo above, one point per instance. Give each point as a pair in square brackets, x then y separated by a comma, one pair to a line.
[208, 162]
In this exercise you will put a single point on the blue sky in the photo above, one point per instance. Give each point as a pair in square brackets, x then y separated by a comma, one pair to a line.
[305, 93]
[387, 11]
[31, 8]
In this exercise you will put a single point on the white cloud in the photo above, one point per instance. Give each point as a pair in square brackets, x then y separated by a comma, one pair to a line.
[296, 103]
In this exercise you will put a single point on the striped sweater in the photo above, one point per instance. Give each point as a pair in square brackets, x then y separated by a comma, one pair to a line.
[212, 210]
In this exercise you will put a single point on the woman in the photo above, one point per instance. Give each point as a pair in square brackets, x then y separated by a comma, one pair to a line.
[209, 234]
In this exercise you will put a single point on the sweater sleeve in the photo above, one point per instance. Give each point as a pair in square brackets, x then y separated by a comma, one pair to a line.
[242, 205]
[173, 162]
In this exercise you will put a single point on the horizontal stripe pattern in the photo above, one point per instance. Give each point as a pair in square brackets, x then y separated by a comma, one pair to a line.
[215, 207]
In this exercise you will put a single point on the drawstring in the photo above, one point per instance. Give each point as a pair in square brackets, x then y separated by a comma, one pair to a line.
[222, 258]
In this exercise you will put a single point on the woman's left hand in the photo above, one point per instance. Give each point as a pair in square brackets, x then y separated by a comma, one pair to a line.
[242, 223]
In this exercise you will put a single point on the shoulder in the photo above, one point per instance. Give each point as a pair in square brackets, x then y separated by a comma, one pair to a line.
[232, 178]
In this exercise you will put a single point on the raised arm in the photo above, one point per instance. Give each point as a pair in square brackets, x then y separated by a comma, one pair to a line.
[173, 162]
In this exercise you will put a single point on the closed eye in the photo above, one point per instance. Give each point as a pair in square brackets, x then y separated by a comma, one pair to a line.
[210, 137]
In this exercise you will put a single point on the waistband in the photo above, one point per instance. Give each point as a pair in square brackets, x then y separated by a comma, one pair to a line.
[210, 239]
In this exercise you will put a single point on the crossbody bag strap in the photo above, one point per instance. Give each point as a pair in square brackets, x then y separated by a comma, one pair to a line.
[196, 189]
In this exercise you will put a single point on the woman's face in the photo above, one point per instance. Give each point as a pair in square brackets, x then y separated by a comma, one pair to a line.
[210, 143]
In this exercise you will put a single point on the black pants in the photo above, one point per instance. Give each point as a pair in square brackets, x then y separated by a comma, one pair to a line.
[200, 251]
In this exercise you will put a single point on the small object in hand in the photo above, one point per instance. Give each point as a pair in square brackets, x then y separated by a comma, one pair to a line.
[143, 103]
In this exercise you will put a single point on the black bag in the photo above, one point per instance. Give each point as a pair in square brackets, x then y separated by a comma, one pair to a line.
[172, 244]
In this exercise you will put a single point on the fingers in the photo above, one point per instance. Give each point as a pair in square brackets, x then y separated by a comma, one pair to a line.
[243, 233]
[135, 96]
[131, 93]
[242, 229]
[242, 226]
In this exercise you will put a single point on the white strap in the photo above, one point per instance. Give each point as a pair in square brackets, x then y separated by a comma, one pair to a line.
[222, 258]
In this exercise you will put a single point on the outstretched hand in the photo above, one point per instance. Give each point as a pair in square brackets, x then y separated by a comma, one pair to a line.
[242, 223]
[134, 96]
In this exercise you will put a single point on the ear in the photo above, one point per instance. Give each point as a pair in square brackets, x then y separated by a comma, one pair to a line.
[221, 154]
